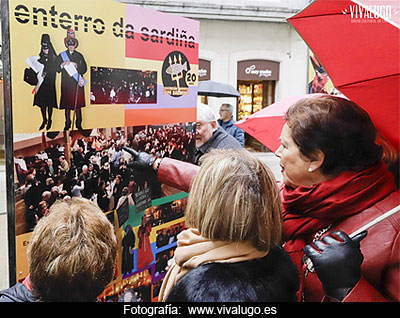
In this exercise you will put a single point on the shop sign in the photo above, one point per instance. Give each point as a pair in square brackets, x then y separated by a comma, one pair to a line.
[204, 70]
[259, 70]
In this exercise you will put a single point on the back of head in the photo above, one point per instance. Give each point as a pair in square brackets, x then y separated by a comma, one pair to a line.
[235, 198]
[72, 252]
[341, 129]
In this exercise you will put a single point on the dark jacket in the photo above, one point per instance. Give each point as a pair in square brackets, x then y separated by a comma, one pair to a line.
[232, 130]
[71, 93]
[272, 278]
[17, 293]
[46, 95]
[220, 139]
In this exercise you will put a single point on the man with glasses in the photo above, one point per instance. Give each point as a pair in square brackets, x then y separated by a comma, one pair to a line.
[226, 121]
[209, 135]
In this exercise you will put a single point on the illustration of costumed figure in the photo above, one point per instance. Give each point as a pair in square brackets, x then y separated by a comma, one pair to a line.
[72, 66]
[45, 90]
[317, 85]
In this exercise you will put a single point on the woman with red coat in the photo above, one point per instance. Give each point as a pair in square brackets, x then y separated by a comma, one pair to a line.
[334, 182]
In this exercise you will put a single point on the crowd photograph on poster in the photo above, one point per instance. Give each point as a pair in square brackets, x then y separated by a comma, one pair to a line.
[94, 167]
[97, 168]
[122, 86]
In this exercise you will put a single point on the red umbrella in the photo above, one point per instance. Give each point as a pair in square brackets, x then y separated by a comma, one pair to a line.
[266, 124]
[358, 43]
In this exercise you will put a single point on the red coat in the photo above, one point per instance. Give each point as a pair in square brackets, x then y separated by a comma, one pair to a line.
[380, 269]
[381, 248]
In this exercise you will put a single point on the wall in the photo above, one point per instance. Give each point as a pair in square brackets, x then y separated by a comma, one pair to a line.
[225, 43]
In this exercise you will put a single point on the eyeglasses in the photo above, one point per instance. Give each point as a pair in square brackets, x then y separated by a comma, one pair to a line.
[224, 110]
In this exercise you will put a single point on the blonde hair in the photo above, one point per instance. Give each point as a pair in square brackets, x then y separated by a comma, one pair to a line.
[72, 252]
[235, 198]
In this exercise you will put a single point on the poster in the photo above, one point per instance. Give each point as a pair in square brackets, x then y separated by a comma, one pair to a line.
[138, 59]
[92, 77]
[318, 79]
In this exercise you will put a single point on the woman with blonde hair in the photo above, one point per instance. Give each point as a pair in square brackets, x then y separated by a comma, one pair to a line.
[230, 251]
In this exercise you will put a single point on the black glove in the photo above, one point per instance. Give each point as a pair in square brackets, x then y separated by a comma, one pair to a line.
[142, 160]
[337, 263]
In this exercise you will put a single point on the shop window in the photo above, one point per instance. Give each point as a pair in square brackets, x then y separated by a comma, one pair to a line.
[254, 96]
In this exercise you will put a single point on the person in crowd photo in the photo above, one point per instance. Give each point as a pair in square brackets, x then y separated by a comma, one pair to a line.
[231, 250]
[226, 121]
[71, 255]
[334, 182]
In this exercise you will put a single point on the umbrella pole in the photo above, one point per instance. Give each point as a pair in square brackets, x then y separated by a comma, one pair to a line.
[377, 220]
[308, 261]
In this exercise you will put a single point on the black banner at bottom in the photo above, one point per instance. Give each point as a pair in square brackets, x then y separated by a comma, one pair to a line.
[195, 309]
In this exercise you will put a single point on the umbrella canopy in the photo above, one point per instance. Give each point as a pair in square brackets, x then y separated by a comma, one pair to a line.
[215, 89]
[358, 43]
[266, 124]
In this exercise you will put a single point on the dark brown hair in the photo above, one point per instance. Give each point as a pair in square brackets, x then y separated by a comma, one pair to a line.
[341, 129]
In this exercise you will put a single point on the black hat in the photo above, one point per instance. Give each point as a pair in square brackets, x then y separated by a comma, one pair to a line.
[45, 42]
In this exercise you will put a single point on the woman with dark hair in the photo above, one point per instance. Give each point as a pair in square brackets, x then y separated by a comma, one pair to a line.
[45, 90]
[334, 182]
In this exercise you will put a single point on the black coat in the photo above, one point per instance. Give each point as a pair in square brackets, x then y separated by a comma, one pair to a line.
[69, 93]
[273, 278]
[46, 95]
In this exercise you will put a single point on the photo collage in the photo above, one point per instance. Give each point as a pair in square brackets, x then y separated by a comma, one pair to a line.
[79, 103]
[147, 215]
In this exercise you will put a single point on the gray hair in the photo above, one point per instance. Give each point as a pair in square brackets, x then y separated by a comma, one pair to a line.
[228, 107]
[205, 113]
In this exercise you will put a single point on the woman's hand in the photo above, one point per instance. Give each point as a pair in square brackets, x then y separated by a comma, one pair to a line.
[337, 262]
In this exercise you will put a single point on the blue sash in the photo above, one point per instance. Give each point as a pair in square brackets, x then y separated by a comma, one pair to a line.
[81, 81]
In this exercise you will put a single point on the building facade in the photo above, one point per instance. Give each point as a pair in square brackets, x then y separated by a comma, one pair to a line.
[247, 44]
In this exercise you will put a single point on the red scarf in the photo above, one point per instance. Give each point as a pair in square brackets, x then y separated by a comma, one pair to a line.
[307, 210]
